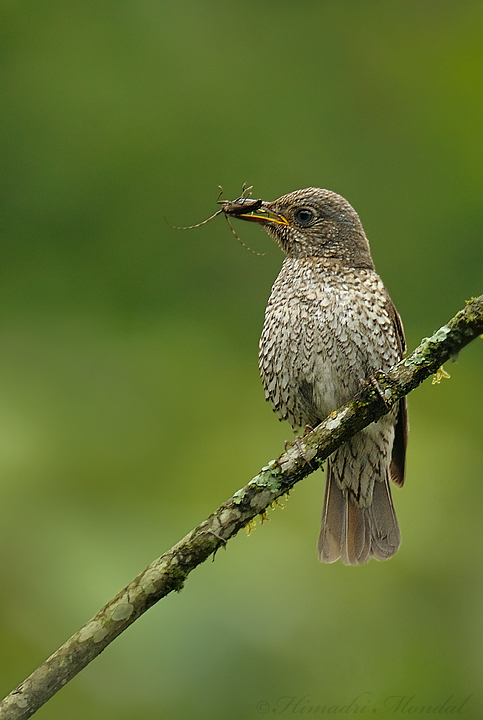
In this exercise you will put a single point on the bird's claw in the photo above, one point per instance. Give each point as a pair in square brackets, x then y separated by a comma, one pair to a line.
[375, 384]
[298, 445]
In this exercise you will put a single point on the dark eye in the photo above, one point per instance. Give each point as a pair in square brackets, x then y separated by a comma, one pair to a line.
[304, 216]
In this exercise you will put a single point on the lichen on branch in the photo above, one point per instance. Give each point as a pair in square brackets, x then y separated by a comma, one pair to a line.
[169, 572]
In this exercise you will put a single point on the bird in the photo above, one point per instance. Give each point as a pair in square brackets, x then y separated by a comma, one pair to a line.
[329, 325]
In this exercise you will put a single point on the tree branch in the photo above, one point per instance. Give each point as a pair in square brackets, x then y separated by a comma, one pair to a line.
[169, 572]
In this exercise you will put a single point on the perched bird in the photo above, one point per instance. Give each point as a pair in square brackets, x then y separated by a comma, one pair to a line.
[329, 325]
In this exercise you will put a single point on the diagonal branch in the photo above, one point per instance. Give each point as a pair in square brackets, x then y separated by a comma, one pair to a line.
[169, 572]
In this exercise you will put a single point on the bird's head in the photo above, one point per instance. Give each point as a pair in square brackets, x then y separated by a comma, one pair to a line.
[312, 223]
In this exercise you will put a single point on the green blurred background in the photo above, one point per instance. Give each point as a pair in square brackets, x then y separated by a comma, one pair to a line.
[130, 403]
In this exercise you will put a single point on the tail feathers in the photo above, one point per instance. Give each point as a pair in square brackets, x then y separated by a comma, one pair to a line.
[353, 533]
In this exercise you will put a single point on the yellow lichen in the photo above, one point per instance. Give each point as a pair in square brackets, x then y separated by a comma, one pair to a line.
[251, 526]
[439, 375]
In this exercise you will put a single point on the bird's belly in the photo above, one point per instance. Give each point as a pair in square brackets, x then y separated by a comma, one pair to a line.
[315, 355]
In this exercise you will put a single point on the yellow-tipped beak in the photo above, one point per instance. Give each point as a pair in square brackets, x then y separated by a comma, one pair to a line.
[264, 216]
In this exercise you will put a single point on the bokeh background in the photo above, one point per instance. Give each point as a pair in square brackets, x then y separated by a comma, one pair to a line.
[130, 403]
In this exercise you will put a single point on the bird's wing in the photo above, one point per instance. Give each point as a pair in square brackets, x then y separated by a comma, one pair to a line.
[398, 458]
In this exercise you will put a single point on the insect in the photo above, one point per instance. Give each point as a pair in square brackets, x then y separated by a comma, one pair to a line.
[231, 208]
[240, 206]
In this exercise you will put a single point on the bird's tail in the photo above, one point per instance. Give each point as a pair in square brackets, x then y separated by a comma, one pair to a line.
[353, 532]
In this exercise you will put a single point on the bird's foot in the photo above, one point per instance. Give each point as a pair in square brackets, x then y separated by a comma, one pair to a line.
[375, 384]
[218, 537]
[298, 445]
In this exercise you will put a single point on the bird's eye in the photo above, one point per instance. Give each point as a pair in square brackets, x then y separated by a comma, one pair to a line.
[304, 216]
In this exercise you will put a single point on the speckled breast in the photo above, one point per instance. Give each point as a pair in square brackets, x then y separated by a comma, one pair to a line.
[327, 328]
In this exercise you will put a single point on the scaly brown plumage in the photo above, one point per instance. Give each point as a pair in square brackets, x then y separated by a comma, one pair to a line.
[329, 325]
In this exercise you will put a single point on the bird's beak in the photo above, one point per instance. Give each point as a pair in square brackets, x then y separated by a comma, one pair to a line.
[262, 215]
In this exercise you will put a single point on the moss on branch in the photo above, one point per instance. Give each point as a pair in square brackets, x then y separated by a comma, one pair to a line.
[169, 572]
